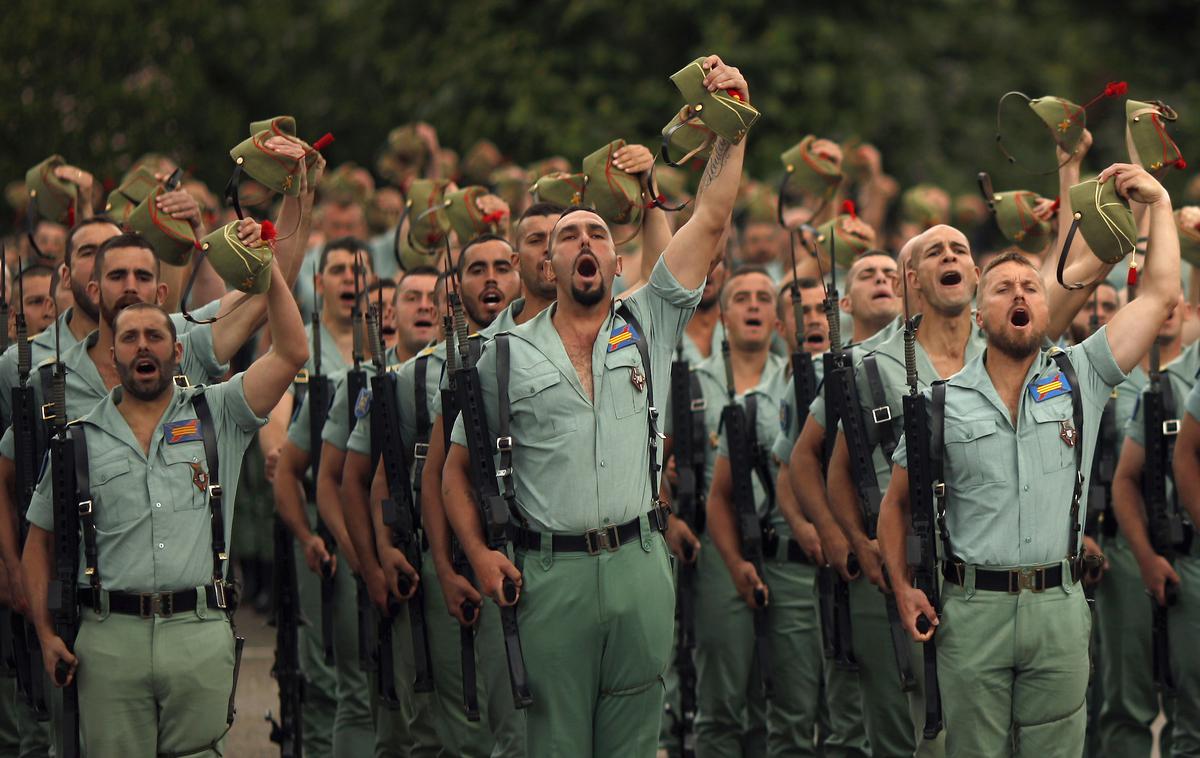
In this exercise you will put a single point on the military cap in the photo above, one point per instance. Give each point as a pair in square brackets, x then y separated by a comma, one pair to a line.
[847, 240]
[511, 182]
[809, 170]
[925, 205]
[722, 112]
[279, 125]
[1023, 125]
[50, 198]
[480, 161]
[133, 189]
[345, 182]
[404, 155]
[244, 267]
[275, 171]
[173, 239]
[426, 209]
[1104, 219]
[685, 137]
[970, 211]
[1148, 132]
[1187, 219]
[616, 195]
[464, 216]
[564, 189]
[1014, 217]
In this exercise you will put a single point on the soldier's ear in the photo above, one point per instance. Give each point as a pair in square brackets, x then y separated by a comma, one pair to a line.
[620, 261]
[548, 269]
[161, 293]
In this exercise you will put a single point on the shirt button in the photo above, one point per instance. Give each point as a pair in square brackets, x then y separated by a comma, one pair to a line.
[1028, 540]
[1026, 488]
[158, 505]
[161, 546]
[603, 464]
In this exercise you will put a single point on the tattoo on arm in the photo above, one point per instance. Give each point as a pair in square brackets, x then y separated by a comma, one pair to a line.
[716, 164]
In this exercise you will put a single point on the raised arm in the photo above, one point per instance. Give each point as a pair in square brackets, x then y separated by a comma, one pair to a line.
[269, 377]
[1133, 328]
[696, 244]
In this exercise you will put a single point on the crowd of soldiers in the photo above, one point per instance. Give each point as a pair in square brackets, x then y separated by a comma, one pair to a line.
[551, 462]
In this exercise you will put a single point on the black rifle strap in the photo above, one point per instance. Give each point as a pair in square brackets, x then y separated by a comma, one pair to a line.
[299, 392]
[504, 440]
[424, 425]
[937, 462]
[881, 413]
[1170, 421]
[87, 519]
[208, 432]
[1063, 361]
[643, 348]
[758, 456]
[697, 408]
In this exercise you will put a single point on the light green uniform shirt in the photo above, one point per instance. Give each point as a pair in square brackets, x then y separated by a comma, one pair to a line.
[1128, 394]
[789, 422]
[581, 463]
[691, 353]
[1182, 372]
[333, 366]
[889, 357]
[85, 388]
[1009, 487]
[153, 530]
[1193, 401]
[337, 429]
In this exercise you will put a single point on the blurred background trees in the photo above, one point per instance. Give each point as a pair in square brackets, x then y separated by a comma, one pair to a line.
[102, 83]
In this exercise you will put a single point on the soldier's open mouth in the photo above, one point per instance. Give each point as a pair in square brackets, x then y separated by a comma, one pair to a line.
[815, 338]
[145, 367]
[587, 266]
[1019, 317]
[491, 297]
[347, 297]
[423, 323]
[753, 322]
[951, 278]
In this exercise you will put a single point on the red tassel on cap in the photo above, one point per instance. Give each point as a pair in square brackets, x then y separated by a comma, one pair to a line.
[734, 94]
[1113, 89]
[848, 207]
[1056, 204]
[1131, 277]
[324, 142]
[494, 218]
[268, 231]
[1181, 164]
[71, 216]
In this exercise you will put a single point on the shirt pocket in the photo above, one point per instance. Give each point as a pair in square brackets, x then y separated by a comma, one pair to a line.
[114, 493]
[540, 412]
[1049, 419]
[186, 475]
[974, 453]
[619, 372]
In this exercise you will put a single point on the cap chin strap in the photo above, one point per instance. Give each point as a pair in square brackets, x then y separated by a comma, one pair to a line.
[666, 143]
[658, 200]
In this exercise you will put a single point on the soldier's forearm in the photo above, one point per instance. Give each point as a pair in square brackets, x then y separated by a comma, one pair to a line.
[1130, 511]
[356, 510]
[459, 502]
[289, 503]
[722, 527]
[36, 564]
[1161, 278]
[894, 518]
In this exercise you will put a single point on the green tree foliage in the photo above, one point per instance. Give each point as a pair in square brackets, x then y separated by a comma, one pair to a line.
[102, 83]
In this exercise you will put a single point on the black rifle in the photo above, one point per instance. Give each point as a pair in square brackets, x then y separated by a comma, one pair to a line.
[288, 731]
[687, 412]
[356, 383]
[319, 399]
[401, 516]
[493, 506]
[1165, 524]
[925, 485]
[27, 449]
[833, 591]
[64, 588]
[742, 442]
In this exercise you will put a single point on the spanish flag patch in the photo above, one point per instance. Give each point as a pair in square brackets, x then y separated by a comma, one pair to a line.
[1052, 386]
[182, 431]
[621, 337]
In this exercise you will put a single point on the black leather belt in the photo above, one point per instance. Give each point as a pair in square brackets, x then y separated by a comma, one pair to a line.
[151, 604]
[593, 541]
[1013, 580]
[789, 550]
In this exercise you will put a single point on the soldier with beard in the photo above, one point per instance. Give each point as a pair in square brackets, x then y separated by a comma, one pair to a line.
[1020, 427]
[595, 587]
[155, 662]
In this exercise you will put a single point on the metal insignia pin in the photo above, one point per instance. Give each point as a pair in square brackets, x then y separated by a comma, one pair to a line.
[1067, 434]
[638, 379]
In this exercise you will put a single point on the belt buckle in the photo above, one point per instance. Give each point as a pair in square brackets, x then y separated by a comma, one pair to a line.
[882, 414]
[85, 508]
[504, 444]
[219, 592]
[147, 604]
[604, 538]
[1033, 580]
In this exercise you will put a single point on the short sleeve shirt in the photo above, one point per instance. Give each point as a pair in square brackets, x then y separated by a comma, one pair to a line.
[1182, 373]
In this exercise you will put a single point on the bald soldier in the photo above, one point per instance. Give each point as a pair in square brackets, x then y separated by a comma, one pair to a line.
[155, 655]
[1019, 432]
[600, 595]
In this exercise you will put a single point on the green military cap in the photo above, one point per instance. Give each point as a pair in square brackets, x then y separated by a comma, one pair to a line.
[511, 182]
[480, 161]
[1147, 129]
[404, 155]
[722, 112]
[276, 172]
[277, 125]
[846, 241]
[970, 211]
[1187, 220]
[616, 195]
[685, 137]
[465, 217]
[1023, 125]
[809, 170]
[342, 182]
[1014, 217]
[133, 189]
[1104, 219]
[50, 198]
[564, 189]
[173, 239]
[925, 205]
[854, 164]
[426, 209]
[243, 267]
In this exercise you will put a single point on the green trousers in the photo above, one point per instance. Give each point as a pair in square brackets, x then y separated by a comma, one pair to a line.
[894, 719]
[406, 731]
[1123, 617]
[353, 724]
[1014, 671]
[596, 632]
[842, 733]
[320, 689]
[1183, 624]
[152, 686]
[10, 725]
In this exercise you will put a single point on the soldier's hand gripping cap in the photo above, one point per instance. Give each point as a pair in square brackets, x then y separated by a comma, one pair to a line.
[173, 239]
[50, 198]
[723, 112]
[616, 195]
